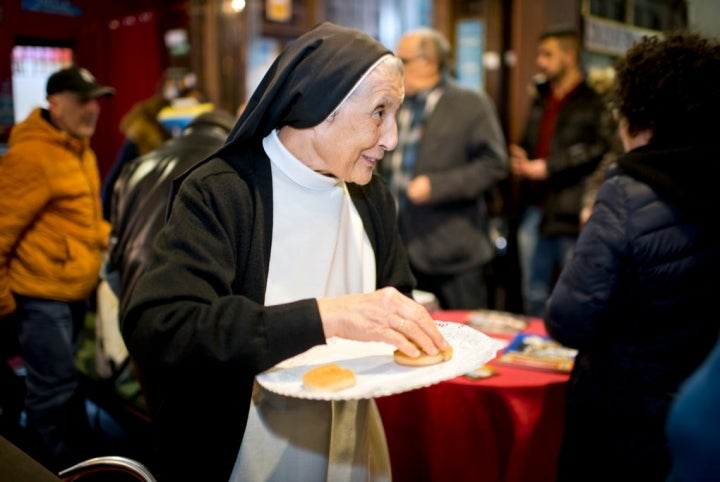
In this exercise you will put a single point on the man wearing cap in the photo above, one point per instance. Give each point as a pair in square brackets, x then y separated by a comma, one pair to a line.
[51, 237]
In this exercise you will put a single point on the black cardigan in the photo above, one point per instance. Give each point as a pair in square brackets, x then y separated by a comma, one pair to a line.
[196, 325]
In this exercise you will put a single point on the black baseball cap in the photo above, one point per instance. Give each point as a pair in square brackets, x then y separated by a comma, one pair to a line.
[78, 80]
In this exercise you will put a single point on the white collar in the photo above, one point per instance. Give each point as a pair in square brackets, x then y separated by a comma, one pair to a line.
[293, 168]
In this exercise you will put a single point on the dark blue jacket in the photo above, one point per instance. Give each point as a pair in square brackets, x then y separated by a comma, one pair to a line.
[692, 426]
[635, 300]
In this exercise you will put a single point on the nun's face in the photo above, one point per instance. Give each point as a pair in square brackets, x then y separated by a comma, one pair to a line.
[350, 142]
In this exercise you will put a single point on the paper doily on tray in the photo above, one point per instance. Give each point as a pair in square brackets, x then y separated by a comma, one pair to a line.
[376, 373]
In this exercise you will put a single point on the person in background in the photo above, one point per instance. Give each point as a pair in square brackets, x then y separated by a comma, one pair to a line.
[142, 190]
[52, 234]
[139, 203]
[601, 81]
[143, 133]
[592, 184]
[143, 128]
[281, 239]
[451, 152]
[638, 295]
[693, 422]
[567, 133]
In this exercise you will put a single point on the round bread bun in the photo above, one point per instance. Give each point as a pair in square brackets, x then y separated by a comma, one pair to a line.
[329, 377]
[424, 359]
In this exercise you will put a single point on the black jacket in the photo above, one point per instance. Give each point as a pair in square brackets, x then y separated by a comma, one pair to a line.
[583, 134]
[142, 190]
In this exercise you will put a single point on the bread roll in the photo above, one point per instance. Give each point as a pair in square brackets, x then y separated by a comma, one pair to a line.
[330, 377]
[424, 359]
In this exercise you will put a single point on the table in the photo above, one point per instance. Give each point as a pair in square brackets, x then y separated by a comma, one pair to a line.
[506, 428]
[16, 465]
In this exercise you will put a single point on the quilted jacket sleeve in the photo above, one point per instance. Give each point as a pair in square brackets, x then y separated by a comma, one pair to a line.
[584, 292]
[24, 193]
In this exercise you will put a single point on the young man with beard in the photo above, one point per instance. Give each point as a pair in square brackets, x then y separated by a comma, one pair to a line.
[568, 132]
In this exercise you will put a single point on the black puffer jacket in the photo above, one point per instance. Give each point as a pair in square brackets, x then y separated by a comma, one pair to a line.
[639, 299]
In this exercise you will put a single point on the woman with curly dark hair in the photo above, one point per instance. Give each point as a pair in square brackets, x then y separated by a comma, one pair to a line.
[635, 298]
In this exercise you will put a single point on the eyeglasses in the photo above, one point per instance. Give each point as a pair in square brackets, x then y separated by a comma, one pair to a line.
[407, 60]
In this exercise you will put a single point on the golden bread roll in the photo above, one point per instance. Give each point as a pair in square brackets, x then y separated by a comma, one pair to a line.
[329, 377]
[424, 359]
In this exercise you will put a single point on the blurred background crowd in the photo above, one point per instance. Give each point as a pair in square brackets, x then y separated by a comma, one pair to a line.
[508, 170]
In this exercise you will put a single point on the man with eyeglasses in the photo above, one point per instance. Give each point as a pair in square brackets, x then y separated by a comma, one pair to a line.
[51, 237]
[451, 151]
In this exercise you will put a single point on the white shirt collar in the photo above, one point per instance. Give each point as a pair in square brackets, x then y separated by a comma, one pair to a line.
[293, 168]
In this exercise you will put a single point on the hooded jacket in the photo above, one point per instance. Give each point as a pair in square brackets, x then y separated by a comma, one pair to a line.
[51, 228]
[635, 300]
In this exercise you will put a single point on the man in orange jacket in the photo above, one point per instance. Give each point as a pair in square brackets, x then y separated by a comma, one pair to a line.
[52, 235]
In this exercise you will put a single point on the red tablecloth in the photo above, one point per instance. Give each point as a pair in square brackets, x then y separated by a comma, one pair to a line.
[506, 428]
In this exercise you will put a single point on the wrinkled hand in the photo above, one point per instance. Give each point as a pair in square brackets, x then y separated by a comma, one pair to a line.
[384, 315]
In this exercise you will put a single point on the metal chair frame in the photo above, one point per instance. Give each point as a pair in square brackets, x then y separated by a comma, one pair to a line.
[109, 463]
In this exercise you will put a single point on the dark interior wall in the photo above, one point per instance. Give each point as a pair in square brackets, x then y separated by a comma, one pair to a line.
[529, 19]
[107, 40]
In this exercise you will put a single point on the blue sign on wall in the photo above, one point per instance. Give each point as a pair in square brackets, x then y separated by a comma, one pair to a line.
[57, 7]
[470, 47]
